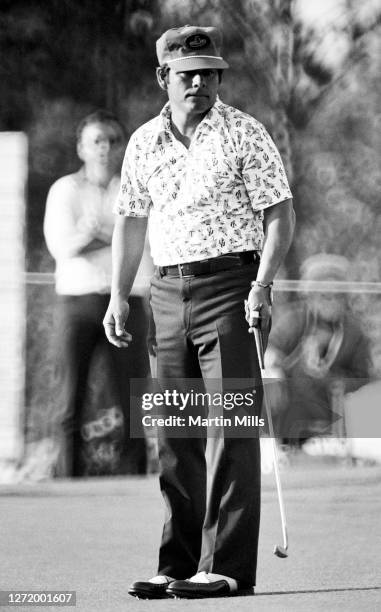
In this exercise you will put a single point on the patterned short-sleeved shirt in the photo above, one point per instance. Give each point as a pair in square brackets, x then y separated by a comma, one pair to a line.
[206, 200]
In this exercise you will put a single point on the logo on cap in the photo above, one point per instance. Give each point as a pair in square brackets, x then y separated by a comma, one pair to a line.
[197, 41]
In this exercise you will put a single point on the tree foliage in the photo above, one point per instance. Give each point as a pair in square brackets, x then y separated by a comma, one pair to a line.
[309, 70]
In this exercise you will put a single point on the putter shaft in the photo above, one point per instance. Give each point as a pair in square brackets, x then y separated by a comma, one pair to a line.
[279, 551]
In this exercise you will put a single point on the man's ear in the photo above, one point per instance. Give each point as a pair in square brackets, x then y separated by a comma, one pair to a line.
[160, 75]
[80, 150]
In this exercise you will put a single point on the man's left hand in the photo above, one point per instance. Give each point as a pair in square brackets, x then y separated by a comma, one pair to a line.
[259, 299]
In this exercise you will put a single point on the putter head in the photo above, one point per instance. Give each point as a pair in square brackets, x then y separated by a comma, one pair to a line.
[280, 552]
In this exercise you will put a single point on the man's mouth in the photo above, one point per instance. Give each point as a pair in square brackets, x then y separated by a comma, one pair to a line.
[196, 95]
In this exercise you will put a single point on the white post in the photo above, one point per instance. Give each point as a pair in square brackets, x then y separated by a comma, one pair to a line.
[13, 176]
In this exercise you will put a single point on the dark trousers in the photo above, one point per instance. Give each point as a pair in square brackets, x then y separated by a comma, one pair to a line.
[78, 333]
[213, 508]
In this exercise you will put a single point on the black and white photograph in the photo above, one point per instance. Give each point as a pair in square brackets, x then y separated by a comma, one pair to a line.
[190, 367]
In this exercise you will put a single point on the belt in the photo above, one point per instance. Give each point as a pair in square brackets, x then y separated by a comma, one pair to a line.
[209, 266]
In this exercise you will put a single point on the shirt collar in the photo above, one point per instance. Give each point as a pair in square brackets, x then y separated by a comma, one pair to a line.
[165, 119]
[212, 118]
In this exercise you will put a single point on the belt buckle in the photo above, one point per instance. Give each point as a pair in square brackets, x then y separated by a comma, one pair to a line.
[181, 273]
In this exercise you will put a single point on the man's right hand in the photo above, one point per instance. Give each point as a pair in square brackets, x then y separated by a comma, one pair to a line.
[114, 322]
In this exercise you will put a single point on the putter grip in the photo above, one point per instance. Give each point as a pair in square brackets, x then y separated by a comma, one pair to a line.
[259, 344]
[259, 341]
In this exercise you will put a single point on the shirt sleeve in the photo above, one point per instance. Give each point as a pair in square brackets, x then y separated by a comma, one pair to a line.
[64, 235]
[133, 199]
[262, 168]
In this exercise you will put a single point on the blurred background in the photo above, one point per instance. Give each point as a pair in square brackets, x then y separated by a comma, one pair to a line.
[308, 70]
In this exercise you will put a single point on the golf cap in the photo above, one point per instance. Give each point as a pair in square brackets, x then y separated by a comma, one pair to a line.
[191, 48]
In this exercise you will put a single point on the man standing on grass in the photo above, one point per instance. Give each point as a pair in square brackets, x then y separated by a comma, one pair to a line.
[78, 228]
[212, 184]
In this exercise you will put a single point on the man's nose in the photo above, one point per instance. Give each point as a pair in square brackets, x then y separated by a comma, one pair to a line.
[198, 80]
[106, 145]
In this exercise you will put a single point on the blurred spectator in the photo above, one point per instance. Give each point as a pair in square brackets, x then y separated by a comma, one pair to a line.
[78, 229]
[319, 347]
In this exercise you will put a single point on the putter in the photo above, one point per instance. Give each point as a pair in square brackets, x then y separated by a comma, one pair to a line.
[279, 551]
